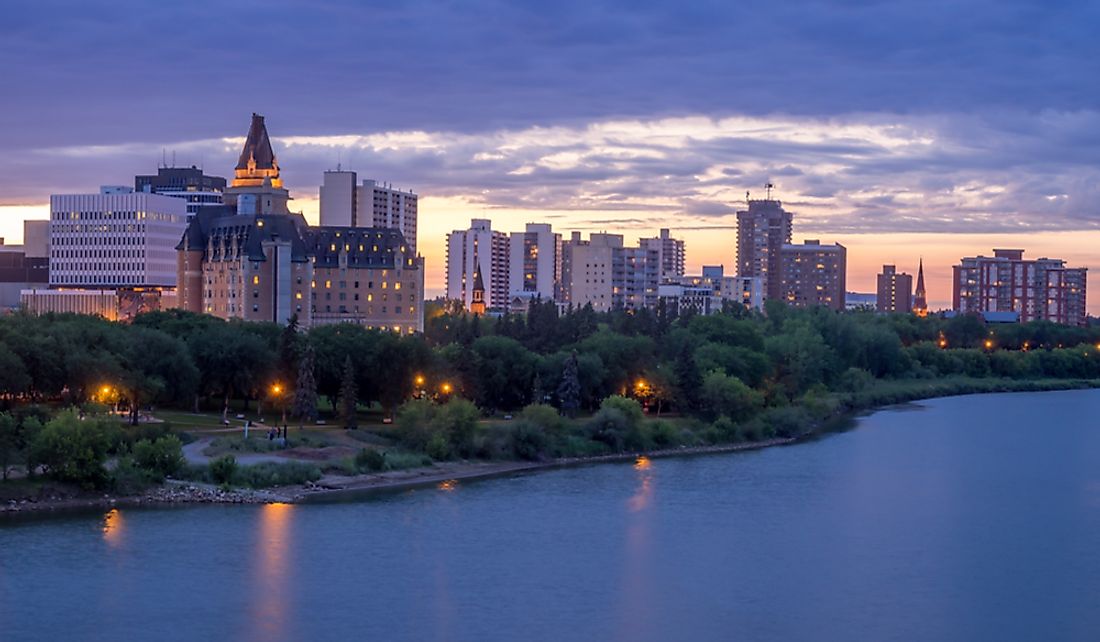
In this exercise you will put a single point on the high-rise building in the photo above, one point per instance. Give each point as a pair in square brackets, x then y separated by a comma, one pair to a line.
[534, 265]
[478, 249]
[1035, 289]
[257, 186]
[813, 274]
[762, 230]
[115, 240]
[389, 207]
[920, 297]
[188, 183]
[895, 291]
[604, 272]
[670, 254]
[372, 204]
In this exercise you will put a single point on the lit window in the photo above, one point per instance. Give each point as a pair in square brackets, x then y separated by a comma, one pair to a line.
[255, 280]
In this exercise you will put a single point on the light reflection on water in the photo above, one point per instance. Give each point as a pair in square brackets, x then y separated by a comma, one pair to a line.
[113, 528]
[270, 598]
[899, 530]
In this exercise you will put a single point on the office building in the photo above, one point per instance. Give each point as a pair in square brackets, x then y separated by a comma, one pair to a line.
[1036, 289]
[114, 240]
[187, 183]
[670, 254]
[812, 274]
[895, 291]
[710, 292]
[762, 231]
[371, 204]
[478, 249]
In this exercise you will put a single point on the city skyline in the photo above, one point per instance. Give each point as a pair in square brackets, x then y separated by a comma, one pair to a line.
[874, 139]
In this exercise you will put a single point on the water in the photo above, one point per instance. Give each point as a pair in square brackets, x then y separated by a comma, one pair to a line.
[956, 519]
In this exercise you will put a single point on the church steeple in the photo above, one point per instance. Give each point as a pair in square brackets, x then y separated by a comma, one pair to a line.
[257, 163]
[920, 302]
[477, 294]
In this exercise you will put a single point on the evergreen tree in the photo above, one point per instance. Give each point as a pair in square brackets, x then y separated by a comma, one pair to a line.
[689, 381]
[348, 396]
[569, 391]
[288, 350]
[305, 393]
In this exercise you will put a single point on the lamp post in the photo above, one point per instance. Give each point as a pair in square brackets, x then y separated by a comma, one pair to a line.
[277, 392]
[419, 382]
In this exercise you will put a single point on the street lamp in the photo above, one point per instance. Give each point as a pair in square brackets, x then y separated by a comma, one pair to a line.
[446, 388]
[277, 392]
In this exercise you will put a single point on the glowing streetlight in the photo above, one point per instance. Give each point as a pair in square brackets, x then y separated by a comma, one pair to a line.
[989, 344]
[419, 380]
[446, 388]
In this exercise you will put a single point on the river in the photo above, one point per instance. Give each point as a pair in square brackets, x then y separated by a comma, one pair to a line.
[965, 518]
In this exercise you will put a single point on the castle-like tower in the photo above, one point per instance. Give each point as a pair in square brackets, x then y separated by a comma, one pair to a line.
[257, 187]
[920, 301]
[477, 303]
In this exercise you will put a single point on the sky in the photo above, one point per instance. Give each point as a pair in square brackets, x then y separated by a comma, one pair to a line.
[904, 130]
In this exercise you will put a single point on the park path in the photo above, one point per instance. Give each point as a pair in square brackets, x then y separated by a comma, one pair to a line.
[192, 452]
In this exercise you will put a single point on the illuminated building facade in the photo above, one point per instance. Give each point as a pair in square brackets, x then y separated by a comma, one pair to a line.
[1036, 289]
[478, 250]
[762, 231]
[813, 274]
[895, 290]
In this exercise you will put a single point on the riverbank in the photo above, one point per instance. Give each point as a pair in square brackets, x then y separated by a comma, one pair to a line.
[445, 474]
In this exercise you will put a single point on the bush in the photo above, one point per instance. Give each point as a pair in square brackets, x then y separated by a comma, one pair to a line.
[663, 434]
[223, 469]
[128, 478]
[457, 419]
[725, 395]
[414, 420]
[73, 450]
[609, 426]
[370, 459]
[788, 421]
[527, 440]
[543, 416]
[268, 474]
[727, 430]
[162, 457]
[438, 447]
[630, 409]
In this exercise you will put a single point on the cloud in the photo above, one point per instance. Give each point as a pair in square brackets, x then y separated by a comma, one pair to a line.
[861, 173]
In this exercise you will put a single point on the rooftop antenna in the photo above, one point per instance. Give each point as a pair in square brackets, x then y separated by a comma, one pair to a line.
[338, 163]
[163, 157]
[768, 187]
[747, 199]
[173, 158]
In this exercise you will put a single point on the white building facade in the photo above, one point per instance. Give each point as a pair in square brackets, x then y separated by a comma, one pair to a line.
[534, 264]
[478, 249]
[117, 239]
[344, 203]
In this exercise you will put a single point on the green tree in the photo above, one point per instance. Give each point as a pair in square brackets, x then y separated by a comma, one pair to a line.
[348, 398]
[569, 390]
[689, 380]
[9, 442]
[729, 396]
[305, 392]
[73, 450]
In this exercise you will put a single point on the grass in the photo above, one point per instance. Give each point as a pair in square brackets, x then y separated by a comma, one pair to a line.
[258, 442]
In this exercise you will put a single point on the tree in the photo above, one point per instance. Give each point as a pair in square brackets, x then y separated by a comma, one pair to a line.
[688, 379]
[569, 390]
[348, 400]
[729, 396]
[305, 392]
[73, 450]
[288, 350]
[9, 441]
